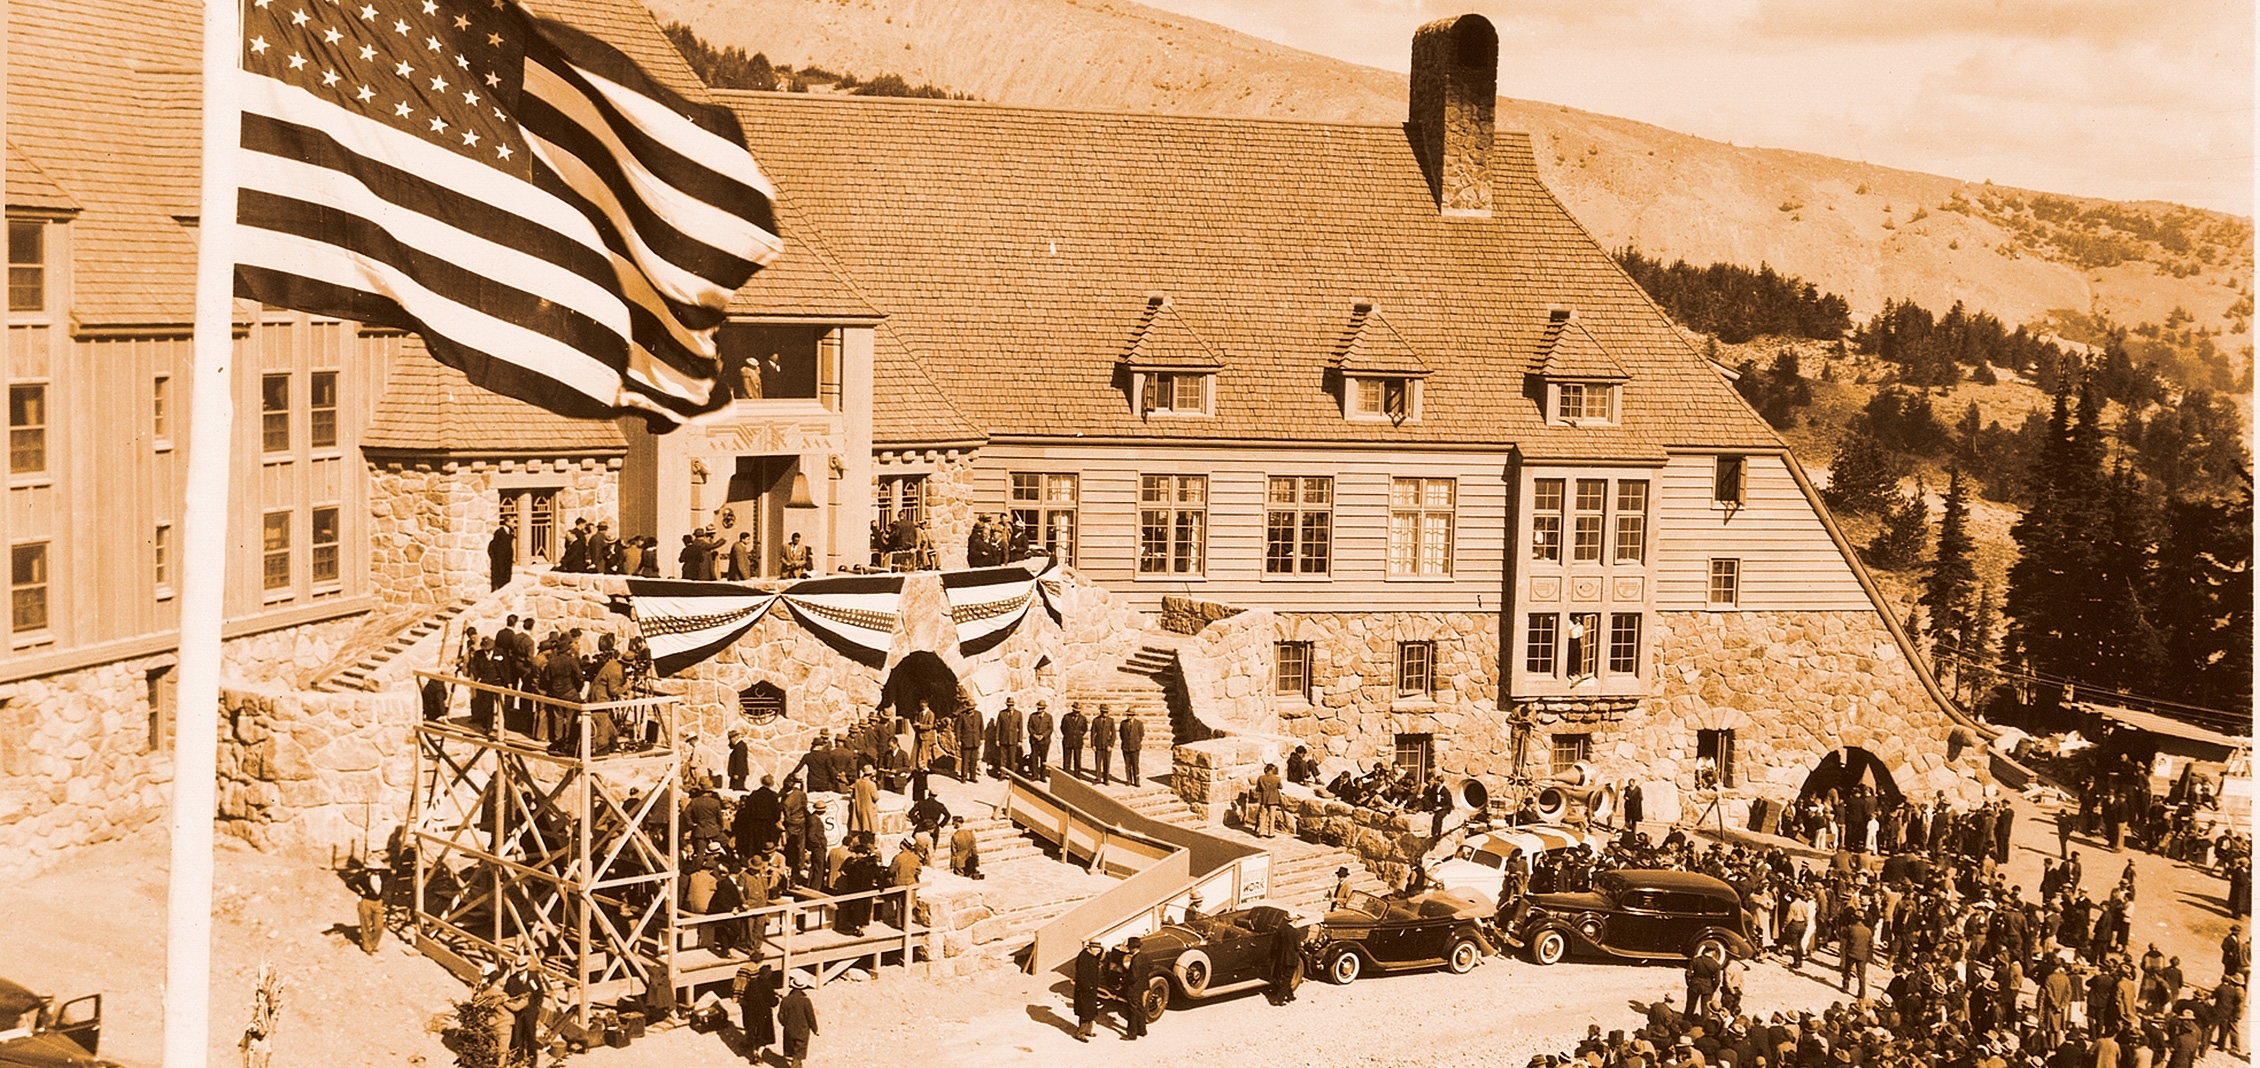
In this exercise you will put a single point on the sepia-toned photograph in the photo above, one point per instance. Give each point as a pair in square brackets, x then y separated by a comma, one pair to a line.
[968, 533]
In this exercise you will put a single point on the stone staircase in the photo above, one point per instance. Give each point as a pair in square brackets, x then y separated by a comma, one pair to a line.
[1302, 873]
[379, 642]
[1002, 841]
[1149, 703]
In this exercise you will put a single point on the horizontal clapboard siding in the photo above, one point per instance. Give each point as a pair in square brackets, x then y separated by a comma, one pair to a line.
[1789, 562]
[1109, 506]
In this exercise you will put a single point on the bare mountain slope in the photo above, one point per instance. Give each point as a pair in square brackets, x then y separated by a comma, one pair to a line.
[1629, 182]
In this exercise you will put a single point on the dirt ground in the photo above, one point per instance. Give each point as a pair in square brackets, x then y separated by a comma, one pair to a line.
[96, 923]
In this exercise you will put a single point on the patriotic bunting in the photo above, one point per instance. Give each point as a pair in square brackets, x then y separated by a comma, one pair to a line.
[687, 622]
[987, 605]
[854, 615]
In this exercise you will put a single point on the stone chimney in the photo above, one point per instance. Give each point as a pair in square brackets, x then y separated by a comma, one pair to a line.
[1455, 88]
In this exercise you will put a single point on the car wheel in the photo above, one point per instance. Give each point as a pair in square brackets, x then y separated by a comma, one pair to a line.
[1193, 972]
[1343, 968]
[1295, 978]
[1463, 956]
[1549, 947]
[1716, 949]
[1155, 999]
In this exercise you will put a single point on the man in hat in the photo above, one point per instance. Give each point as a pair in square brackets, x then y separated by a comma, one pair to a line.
[1137, 972]
[1102, 744]
[968, 743]
[1072, 727]
[367, 883]
[1859, 949]
[1339, 897]
[965, 850]
[796, 1016]
[1039, 743]
[2228, 1014]
[1008, 727]
[1132, 733]
[1089, 970]
[502, 552]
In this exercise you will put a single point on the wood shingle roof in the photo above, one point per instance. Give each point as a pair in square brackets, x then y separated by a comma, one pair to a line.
[1017, 246]
[429, 407]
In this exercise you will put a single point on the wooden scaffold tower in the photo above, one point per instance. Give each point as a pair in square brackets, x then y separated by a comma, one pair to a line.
[565, 850]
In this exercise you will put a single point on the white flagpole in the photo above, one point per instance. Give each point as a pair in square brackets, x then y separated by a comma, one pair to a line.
[188, 902]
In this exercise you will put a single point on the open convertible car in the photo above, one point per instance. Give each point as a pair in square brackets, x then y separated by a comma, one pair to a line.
[34, 1033]
[1210, 957]
[1641, 914]
[1388, 934]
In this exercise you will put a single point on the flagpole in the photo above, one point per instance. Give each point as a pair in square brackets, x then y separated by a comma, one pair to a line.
[188, 901]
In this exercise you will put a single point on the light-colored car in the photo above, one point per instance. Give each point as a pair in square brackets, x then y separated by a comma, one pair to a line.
[1482, 861]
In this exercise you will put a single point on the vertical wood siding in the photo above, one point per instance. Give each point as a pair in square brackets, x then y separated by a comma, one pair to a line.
[1789, 563]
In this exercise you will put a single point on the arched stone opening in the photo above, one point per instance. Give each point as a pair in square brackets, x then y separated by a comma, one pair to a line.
[1844, 769]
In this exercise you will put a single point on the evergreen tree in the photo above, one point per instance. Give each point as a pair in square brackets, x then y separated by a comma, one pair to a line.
[1899, 545]
[1975, 664]
[2130, 650]
[2204, 601]
[1946, 589]
[1864, 480]
[2059, 617]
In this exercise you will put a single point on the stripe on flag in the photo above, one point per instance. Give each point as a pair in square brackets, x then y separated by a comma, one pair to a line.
[988, 604]
[687, 622]
[556, 224]
[855, 615]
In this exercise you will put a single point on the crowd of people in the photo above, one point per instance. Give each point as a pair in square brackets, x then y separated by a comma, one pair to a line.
[706, 554]
[559, 665]
[1980, 972]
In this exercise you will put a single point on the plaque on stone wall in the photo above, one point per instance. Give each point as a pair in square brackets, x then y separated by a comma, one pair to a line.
[1547, 588]
[1585, 588]
[761, 702]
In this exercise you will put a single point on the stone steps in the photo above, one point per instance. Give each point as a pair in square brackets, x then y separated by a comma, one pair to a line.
[1151, 661]
[361, 674]
[1149, 704]
[1002, 841]
[1302, 873]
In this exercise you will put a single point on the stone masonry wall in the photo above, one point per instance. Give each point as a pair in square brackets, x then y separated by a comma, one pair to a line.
[76, 767]
[1354, 711]
[303, 772]
[429, 525]
[950, 505]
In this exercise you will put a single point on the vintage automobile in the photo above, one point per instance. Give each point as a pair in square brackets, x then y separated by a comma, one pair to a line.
[1640, 914]
[1209, 957]
[36, 1034]
[1391, 934]
[1481, 862]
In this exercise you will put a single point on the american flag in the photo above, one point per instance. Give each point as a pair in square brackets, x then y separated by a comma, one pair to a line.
[556, 224]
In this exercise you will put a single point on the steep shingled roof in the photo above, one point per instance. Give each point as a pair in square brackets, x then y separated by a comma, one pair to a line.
[1566, 350]
[30, 187]
[1001, 239]
[429, 407]
[1373, 345]
[1163, 338]
[631, 28]
[910, 409]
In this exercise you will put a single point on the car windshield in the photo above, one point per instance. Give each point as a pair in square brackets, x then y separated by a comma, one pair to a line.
[1371, 905]
[1609, 883]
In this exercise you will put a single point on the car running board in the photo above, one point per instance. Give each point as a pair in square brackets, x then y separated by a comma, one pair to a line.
[1234, 988]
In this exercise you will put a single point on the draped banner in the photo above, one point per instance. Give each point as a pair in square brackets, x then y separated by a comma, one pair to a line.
[1052, 587]
[686, 622]
[987, 605]
[854, 614]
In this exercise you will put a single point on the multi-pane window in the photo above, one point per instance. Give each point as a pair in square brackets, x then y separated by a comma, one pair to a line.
[1546, 519]
[536, 513]
[274, 540]
[1414, 755]
[1541, 643]
[27, 266]
[274, 413]
[1389, 398]
[1567, 751]
[1044, 506]
[1420, 525]
[899, 495]
[1584, 644]
[1624, 643]
[321, 410]
[1592, 500]
[161, 551]
[1714, 752]
[1180, 392]
[1726, 482]
[1298, 533]
[1577, 402]
[1726, 583]
[163, 689]
[161, 408]
[27, 429]
[1172, 524]
[1416, 668]
[325, 542]
[1632, 521]
[1290, 668]
[27, 587]
[1573, 400]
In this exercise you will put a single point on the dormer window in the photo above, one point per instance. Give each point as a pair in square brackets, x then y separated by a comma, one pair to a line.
[1582, 403]
[1392, 397]
[1175, 392]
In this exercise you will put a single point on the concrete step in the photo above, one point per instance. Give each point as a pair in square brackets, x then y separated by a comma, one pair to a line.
[1150, 660]
[359, 675]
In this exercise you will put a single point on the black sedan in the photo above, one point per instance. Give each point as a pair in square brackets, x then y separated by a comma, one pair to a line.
[1210, 957]
[1640, 914]
[1437, 928]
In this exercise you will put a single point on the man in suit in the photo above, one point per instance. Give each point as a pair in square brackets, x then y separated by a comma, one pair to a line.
[1133, 733]
[741, 558]
[1071, 729]
[1008, 740]
[1102, 743]
[502, 553]
[799, 561]
[797, 1018]
[968, 743]
[601, 544]
[1039, 742]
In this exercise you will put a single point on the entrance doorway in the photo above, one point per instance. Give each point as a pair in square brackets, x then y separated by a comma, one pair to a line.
[758, 490]
[1843, 769]
[923, 680]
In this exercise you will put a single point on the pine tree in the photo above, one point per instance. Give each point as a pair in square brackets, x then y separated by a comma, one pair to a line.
[1975, 664]
[2059, 615]
[2204, 601]
[1899, 545]
[1946, 589]
[1864, 480]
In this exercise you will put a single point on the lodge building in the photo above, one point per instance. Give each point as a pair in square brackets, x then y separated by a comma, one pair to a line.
[1479, 503]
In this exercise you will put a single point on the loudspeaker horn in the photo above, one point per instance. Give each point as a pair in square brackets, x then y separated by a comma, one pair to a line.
[1578, 774]
[1603, 807]
[1477, 796]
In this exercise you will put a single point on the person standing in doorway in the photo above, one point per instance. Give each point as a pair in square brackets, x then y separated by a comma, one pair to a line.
[502, 553]
[741, 558]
